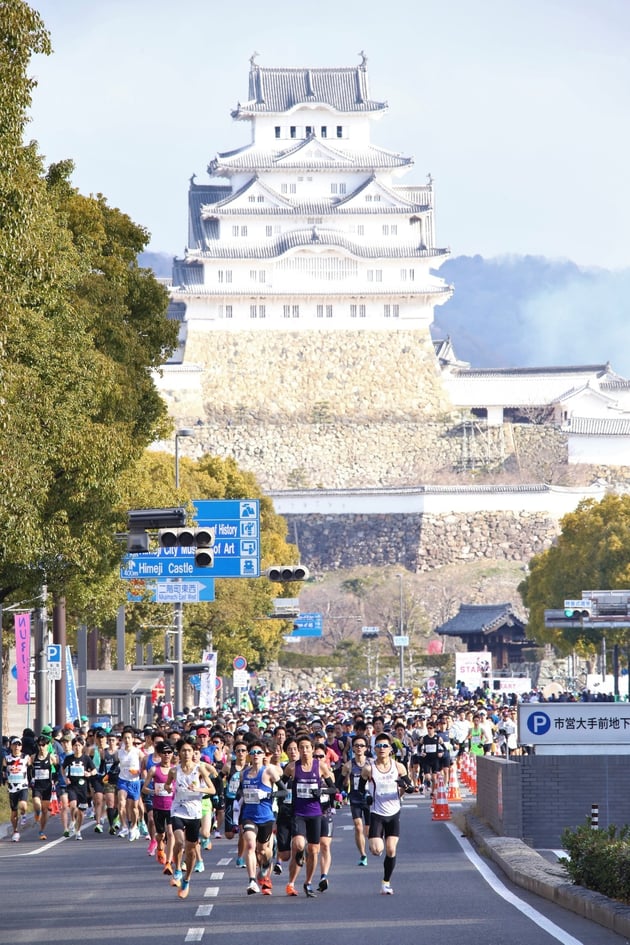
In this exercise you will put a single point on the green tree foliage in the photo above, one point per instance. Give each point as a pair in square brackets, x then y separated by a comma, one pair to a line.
[592, 553]
[83, 326]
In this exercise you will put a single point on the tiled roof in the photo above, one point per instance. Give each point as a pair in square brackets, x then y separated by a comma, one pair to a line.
[513, 387]
[251, 159]
[316, 236]
[479, 618]
[598, 426]
[280, 90]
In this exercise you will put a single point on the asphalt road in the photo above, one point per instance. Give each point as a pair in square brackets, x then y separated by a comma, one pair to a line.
[108, 890]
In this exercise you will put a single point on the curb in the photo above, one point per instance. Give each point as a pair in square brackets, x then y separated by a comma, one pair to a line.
[528, 869]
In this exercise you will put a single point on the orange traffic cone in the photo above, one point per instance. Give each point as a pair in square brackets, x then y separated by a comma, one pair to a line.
[441, 810]
[472, 785]
[53, 807]
[464, 768]
[453, 786]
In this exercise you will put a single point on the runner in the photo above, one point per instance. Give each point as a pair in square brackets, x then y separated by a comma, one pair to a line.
[15, 775]
[257, 819]
[359, 810]
[388, 780]
[232, 777]
[129, 785]
[41, 767]
[78, 768]
[154, 786]
[306, 774]
[191, 781]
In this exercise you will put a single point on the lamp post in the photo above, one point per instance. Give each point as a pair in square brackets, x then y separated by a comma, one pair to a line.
[401, 649]
[178, 661]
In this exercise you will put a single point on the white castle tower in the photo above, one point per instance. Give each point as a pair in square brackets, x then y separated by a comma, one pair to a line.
[308, 273]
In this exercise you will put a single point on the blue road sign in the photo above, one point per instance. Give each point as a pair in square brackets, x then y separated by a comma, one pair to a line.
[167, 591]
[53, 652]
[308, 625]
[236, 523]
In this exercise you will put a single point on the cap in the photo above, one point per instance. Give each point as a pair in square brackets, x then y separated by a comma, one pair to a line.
[330, 728]
[47, 730]
[68, 727]
[203, 731]
[15, 740]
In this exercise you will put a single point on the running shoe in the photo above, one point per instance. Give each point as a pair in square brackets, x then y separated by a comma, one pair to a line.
[23, 820]
[308, 889]
[217, 834]
[168, 869]
[177, 878]
[199, 867]
[112, 831]
[362, 861]
[240, 863]
[134, 834]
[123, 832]
[277, 868]
[205, 843]
[98, 829]
[143, 830]
[386, 889]
[322, 886]
[252, 887]
[183, 892]
[66, 834]
[266, 886]
[161, 857]
[78, 836]
[291, 890]
[152, 848]
[43, 836]
[15, 838]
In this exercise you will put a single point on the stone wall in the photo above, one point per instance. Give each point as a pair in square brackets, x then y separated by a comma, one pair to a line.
[418, 542]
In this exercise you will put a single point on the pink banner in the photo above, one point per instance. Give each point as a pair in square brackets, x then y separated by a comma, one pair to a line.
[23, 657]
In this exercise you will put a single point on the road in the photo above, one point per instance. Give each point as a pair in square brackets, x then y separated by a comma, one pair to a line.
[108, 890]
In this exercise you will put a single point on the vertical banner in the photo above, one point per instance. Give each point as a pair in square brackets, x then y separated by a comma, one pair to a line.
[72, 698]
[23, 657]
[471, 668]
[208, 687]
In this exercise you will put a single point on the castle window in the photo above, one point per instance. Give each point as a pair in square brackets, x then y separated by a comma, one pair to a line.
[403, 275]
[262, 311]
[253, 275]
[329, 311]
[412, 275]
[333, 188]
[234, 231]
[368, 198]
[225, 311]
[284, 188]
[224, 275]
[260, 198]
[268, 231]
[395, 311]
[320, 311]
[385, 229]
[394, 229]
[361, 311]
[309, 130]
[360, 230]
[387, 311]
[377, 197]
[342, 188]
[293, 131]
[286, 311]
[340, 131]
[353, 311]
[324, 131]
[292, 188]
[253, 311]
[262, 275]
[252, 198]
[295, 311]
[243, 231]
[277, 131]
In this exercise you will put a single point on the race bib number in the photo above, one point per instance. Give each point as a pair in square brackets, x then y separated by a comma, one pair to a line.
[304, 790]
[251, 796]
[77, 771]
[41, 775]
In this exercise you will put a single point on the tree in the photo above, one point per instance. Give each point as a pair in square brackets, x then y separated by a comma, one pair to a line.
[592, 553]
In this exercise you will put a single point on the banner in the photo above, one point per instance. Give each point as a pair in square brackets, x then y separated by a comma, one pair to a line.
[208, 687]
[23, 657]
[471, 668]
[72, 699]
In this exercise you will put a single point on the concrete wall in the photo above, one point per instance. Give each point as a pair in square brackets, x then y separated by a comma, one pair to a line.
[536, 797]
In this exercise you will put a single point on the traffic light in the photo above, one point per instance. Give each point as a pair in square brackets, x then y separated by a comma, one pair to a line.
[281, 573]
[200, 539]
[577, 610]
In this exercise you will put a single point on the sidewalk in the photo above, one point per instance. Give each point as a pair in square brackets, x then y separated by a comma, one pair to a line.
[528, 869]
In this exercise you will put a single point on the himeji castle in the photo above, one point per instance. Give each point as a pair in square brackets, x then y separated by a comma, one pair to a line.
[308, 225]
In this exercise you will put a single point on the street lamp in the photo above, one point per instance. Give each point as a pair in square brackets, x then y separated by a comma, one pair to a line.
[178, 662]
[180, 434]
[401, 649]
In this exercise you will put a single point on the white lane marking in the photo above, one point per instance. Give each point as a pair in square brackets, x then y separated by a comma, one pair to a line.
[211, 891]
[537, 917]
[47, 846]
[203, 911]
[224, 861]
[194, 935]
[217, 875]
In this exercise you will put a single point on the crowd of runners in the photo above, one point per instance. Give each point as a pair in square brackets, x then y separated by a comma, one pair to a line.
[270, 779]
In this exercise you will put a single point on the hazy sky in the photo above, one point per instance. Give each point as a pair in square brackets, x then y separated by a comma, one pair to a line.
[518, 108]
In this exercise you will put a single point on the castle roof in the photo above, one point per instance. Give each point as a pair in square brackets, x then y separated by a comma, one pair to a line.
[307, 155]
[598, 426]
[514, 387]
[273, 91]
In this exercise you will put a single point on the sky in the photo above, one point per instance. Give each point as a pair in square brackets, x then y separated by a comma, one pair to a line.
[519, 110]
